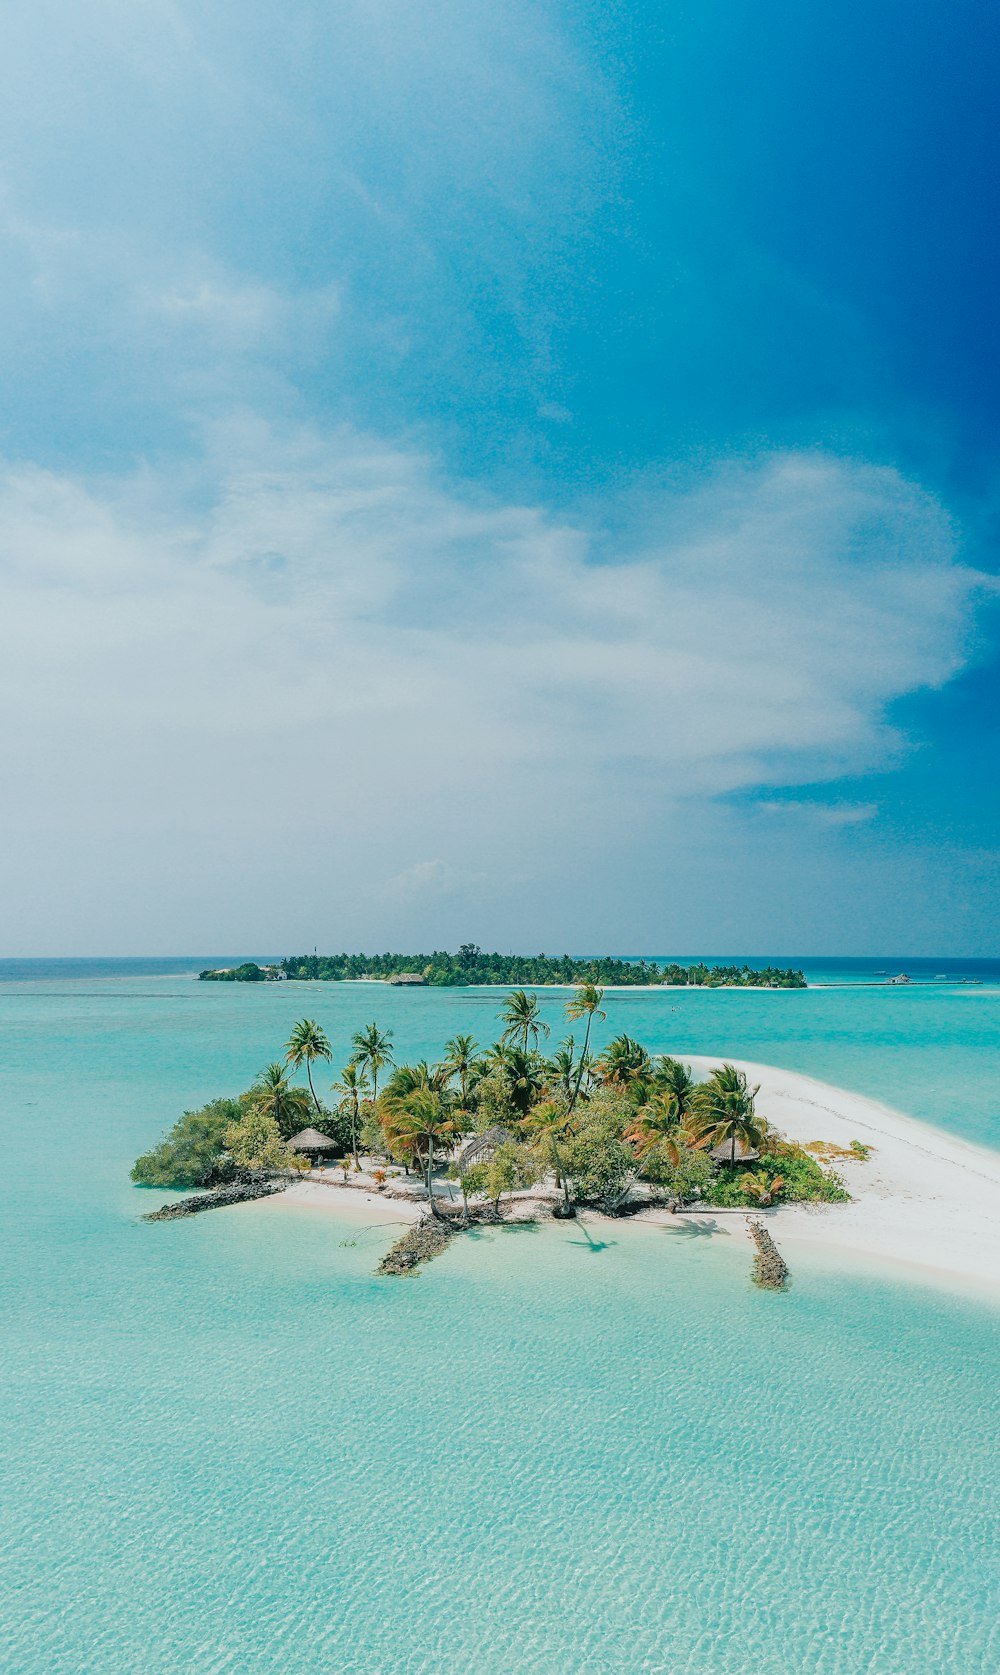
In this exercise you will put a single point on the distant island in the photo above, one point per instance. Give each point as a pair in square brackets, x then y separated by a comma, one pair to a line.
[471, 966]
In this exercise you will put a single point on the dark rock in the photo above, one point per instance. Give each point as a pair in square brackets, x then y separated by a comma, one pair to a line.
[241, 1192]
[769, 1267]
[420, 1243]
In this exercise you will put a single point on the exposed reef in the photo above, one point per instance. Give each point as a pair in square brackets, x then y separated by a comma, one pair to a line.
[769, 1267]
[241, 1192]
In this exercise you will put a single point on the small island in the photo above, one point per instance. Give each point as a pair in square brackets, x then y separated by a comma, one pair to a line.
[471, 966]
[515, 1127]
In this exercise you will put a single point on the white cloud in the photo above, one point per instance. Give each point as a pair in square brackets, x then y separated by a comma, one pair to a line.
[824, 814]
[311, 645]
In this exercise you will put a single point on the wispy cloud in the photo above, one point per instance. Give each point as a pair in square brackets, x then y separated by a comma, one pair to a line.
[823, 814]
[316, 632]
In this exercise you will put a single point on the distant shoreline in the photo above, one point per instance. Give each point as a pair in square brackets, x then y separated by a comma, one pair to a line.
[472, 968]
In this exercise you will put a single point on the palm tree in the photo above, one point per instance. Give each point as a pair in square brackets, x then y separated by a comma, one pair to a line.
[678, 1084]
[498, 1053]
[414, 1124]
[548, 1124]
[273, 1094]
[462, 1056]
[760, 1187]
[562, 1066]
[372, 1051]
[407, 1078]
[655, 1125]
[586, 1003]
[353, 1086]
[624, 1061]
[522, 1017]
[305, 1045]
[525, 1072]
[723, 1111]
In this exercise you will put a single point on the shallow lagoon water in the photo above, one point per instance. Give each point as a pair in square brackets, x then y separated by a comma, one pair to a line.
[228, 1447]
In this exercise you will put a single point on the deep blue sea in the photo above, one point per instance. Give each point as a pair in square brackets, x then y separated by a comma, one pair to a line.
[227, 1447]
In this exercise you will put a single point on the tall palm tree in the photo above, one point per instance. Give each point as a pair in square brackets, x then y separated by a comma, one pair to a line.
[586, 1003]
[522, 1018]
[305, 1045]
[274, 1094]
[461, 1058]
[548, 1125]
[416, 1123]
[352, 1087]
[723, 1112]
[373, 1051]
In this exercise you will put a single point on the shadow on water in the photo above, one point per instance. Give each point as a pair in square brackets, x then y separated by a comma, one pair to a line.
[489, 1230]
[691, 1229]
[587, 1243]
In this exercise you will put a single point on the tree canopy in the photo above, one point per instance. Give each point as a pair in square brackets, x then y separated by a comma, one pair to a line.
[471, 965]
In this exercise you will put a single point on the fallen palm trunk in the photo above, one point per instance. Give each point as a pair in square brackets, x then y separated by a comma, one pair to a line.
[769, 1267]
[420, 1243]
[241, 1192]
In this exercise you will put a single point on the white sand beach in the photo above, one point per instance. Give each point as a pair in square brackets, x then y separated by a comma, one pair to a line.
[924, 1197]
[326, 1192]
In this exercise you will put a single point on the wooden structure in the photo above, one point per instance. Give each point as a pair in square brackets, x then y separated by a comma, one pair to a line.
[314, 1144]
[723, 1153]
[482, 1146]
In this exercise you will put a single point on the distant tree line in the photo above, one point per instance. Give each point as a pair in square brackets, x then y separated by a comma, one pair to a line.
[472, 966]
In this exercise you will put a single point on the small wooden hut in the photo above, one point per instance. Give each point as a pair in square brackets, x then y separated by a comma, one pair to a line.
[723, 1153]
[315, 1145]
[482, 1146]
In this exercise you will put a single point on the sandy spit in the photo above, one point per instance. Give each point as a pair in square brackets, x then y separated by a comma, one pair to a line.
[924, 1197]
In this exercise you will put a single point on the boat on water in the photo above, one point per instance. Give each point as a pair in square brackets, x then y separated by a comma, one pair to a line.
[902, 978]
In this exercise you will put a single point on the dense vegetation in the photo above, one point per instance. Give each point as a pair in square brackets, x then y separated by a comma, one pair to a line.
[229, 1138]
[471, 965]
[509, 1115]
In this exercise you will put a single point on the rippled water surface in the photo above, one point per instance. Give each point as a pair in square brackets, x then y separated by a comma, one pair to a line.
[227, 1447]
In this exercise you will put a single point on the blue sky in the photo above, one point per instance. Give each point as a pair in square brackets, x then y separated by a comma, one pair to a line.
[524, 474]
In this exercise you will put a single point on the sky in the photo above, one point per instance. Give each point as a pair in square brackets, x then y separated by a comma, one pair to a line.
[524, 475]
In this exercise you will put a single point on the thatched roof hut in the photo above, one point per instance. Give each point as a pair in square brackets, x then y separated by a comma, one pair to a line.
[723, 1153]
[312, 1142]
[482, 1146]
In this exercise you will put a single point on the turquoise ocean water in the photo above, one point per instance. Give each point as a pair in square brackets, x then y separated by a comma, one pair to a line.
[227, 1447]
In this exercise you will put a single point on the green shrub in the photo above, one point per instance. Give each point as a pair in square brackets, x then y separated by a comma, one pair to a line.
[190, 1155]
[600, 1167]
[254, 1142]
[495, 1101]
[509, 1169]
[804, 1181]
[693, 1172]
